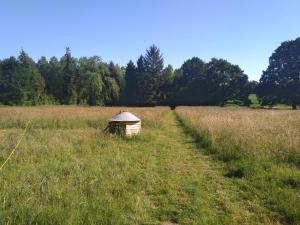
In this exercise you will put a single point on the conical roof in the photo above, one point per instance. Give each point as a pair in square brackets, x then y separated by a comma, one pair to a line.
[123, 117]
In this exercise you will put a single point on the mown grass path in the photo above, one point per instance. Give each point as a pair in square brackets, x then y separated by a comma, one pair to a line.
[79, 176]
[196, 192]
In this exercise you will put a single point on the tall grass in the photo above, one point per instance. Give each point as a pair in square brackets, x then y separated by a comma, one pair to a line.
[67, 171]
[260, 146]
[260, 134]
[69, 117]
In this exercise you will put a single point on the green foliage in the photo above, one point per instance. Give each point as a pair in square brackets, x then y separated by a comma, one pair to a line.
[21, 82]
[32, 82]
[213, 83]
[69, 78]
[130, 93]
[117, 74]
[150, 76]
[112, 91]
[68, 81]
[254, 101]
[280, 83]
[10, 82]
[218, 82]
[95, 88]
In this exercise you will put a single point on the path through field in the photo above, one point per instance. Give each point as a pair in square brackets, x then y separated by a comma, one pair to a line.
[194, 190]
[78, 176]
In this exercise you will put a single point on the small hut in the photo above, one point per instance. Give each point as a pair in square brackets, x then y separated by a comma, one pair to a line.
[125, 123]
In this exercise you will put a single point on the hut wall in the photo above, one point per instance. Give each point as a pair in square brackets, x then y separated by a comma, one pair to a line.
[133, 128]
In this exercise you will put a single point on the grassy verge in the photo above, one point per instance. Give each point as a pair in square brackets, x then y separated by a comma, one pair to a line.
[272, 176]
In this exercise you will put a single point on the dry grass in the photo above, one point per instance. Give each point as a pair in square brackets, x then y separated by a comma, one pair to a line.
[257, 133]
[260, 150]
[72, 116]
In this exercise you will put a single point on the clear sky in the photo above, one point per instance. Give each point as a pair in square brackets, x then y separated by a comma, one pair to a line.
[242, 31]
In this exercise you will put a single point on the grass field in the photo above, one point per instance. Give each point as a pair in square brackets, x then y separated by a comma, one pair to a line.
[193, 166]
[260, 148]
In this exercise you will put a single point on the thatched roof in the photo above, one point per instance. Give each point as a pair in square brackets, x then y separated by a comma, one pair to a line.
[124, 117]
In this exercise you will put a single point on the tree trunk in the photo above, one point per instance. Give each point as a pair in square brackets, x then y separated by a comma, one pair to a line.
[294, 106]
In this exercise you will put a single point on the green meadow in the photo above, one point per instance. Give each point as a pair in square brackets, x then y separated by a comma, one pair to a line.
[192, 165]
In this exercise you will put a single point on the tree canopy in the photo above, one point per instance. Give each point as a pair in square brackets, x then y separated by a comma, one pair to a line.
[212, 83]
[280, 83]
[65, 81]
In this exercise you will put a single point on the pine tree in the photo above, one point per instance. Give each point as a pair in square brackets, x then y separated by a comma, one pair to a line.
[69, 78]
[11, 90]
[150, 75]
[32, 82]
[54, 81]
[129, 96]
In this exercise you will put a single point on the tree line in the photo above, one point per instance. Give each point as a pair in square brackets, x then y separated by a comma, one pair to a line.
[65, 81]
[194, 83]
[147, 82]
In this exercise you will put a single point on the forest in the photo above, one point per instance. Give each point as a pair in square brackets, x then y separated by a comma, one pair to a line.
[148, 82]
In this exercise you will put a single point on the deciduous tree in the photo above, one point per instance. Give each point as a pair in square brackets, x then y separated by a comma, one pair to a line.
[280, 83]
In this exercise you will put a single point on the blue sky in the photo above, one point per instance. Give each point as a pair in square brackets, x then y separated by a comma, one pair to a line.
[243, 32]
